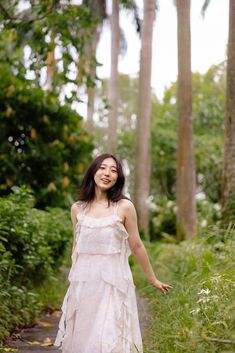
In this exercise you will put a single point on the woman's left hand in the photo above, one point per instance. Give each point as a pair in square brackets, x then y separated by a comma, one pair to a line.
[161, 286]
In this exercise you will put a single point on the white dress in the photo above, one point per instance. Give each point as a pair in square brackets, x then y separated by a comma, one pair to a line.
[99, 311]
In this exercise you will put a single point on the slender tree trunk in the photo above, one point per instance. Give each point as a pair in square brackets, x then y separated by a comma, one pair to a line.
[92, 72]
[228, 180]
[113, 93]
[143, 136]
[186, 180]
[51, 67]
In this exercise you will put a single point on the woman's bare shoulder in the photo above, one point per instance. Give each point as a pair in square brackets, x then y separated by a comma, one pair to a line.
[126, 205]
[76, 206]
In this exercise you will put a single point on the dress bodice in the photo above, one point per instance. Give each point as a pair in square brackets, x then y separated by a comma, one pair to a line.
[103, 235]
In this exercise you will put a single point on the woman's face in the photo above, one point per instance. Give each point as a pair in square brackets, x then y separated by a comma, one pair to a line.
[106, 176]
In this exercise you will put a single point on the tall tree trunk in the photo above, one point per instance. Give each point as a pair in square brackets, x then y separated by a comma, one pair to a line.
[186, 180]
[86, 64]
[113, 92]
[143, 135]
[228, 182]
[92, 72]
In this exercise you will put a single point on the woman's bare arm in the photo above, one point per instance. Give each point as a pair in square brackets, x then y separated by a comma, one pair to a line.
[137, 247]
[74, 212]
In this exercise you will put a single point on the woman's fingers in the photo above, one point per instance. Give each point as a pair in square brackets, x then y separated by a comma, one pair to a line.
[164, 287]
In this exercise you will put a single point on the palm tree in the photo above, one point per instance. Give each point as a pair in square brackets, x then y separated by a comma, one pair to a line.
[113, 91]
[143, 132]
[186, 180]
[228, 179]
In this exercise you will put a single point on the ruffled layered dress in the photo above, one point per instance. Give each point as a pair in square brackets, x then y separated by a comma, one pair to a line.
[99, 311]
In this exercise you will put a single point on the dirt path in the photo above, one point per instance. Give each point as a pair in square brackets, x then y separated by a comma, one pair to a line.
[39, 339]
[36, 339]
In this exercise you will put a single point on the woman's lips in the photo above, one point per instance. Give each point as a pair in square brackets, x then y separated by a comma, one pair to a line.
[105, 181]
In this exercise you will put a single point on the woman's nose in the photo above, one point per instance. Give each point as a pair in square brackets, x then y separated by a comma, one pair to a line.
[106, 172]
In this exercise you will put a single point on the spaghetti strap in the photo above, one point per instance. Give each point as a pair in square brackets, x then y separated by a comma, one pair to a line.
[116, 208]
[82, 206]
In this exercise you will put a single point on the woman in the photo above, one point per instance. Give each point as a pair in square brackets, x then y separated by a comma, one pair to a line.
[99, 312]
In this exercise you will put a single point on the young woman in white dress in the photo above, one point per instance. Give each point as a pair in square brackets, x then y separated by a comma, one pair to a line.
[99, 312]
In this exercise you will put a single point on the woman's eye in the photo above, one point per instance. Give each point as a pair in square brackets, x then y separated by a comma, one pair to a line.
[113, 171]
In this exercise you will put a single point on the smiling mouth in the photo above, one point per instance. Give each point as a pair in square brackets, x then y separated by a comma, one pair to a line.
[106, 181]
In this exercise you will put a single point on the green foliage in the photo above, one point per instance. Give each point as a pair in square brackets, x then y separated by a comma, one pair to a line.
[201, 305]
[209, 214]
[43, 144]
[41, 26]
[163, 217]
[32, 247]
[209, 100]
[208, 110]
[34, 241]
[164, 145]
[19, 306]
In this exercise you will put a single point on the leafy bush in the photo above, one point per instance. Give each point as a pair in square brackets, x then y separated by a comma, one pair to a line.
[32, 246]
[43, 144]
[208, 214]
[19, 306]
[34, 240]
[163, 217]
[198, 314]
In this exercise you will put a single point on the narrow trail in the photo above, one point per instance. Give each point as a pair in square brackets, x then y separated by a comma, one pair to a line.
[40, 338]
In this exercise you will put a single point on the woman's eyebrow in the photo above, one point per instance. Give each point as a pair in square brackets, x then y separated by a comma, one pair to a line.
[111, 166]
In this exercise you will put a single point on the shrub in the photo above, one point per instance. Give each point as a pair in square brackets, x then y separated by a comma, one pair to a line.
[34, 240]
[32, 246]
[43, 144]
[163, 217]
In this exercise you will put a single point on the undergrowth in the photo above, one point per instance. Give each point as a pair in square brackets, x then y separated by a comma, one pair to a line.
[32, 247]
[197, 315]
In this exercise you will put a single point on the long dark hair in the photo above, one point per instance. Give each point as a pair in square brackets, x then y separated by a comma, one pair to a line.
[87, 190]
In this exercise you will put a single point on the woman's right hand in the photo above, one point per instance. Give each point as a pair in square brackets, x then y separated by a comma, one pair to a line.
[163, 287]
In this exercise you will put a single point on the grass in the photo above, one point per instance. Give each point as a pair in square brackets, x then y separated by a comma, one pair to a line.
[198, 314]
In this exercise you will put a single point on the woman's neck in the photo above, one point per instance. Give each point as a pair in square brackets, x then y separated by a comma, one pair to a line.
[100, 197]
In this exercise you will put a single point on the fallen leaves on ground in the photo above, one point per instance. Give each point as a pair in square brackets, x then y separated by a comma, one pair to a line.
[46, 342]
[56, 313]
[46, 324]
